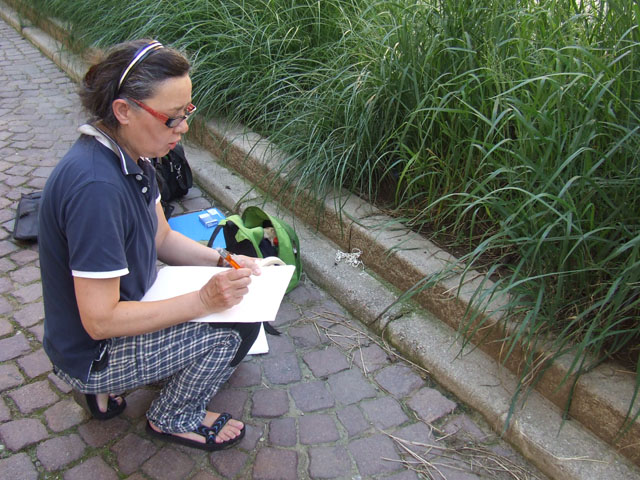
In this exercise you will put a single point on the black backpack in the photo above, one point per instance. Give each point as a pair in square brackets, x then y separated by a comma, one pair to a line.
[174, 177]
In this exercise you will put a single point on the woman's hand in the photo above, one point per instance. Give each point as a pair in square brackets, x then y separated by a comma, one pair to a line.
[248, 262]
[225, 289]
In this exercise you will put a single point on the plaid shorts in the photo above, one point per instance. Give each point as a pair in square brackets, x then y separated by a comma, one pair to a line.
[195, 357]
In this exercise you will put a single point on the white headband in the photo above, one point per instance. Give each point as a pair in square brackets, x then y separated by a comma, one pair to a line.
[140, 55]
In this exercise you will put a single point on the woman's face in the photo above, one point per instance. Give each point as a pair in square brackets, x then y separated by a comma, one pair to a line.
[145, 135]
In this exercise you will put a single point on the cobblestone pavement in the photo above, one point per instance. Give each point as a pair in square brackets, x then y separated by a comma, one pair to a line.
[328, 401]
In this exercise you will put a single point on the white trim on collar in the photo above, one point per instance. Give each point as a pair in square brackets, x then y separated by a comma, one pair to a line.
[105, 140]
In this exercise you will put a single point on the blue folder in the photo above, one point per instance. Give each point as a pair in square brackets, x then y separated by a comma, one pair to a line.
[194, 225]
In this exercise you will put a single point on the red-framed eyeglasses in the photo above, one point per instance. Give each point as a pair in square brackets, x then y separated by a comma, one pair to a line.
[168, 121]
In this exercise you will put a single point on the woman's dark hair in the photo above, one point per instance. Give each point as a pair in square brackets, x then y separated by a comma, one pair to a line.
[100, 84]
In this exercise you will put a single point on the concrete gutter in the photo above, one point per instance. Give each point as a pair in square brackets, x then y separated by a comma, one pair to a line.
[228, 162]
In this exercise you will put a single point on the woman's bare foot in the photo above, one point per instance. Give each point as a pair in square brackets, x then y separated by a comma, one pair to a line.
[229, 431]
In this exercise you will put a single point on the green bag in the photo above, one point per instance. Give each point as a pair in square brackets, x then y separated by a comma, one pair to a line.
[258, 234]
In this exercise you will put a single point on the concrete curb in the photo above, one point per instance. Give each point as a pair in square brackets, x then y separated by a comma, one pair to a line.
[475, 378]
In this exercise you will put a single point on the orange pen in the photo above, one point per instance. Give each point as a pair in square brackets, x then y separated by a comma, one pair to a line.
[227, 257]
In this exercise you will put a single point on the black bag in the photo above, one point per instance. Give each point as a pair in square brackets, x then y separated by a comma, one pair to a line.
[174, 177]
[26, 224]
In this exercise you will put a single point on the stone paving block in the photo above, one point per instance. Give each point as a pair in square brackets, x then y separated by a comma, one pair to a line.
[405, 475]
[195, 454]
[270, 403]
[282, 432]
[20, 170]
[60, 384]
[374, 455]
[307, 336]
[311, 396]
[371, 358]
[37, 183]
[98, 433]
[279, 344]
[94, 468]
[194, 192]
[6, 284]
[132, 451]
[17, 434]
[317, 428]
[418, 438]
[7, 216]
[137, 476]
[199, 203]
[138, 402]
[231, 401]
[325, 362]
[350, 386]
[203, 475]
[329, 462]
[287, 313]
[168, 464]
[43, 172]
[30, 314]
[399, 380]
[25, 275]
[57, 452]
[33, 396]
[384, 412]
[452, 470]
[305, 294]
[14, 180]
[28, 293]
[353, 420]
[7, 247]
[347, 336]
[247, 374]
[35, 364]
[37, 331]
[5, 327]
[282, 369]
[5, 306]
[18, 467]
[12, 347]
[255, 434]
[229, 463]
[25, 256]
[10, 377]
[430, 404]
[64, 414]
[461, 427]
[275, 464]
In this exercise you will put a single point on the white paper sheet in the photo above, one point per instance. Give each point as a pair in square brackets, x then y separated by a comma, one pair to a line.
[261, 304]
[260, 345]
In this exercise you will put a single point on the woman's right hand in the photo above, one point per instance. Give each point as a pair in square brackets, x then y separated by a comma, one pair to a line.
[225, 289]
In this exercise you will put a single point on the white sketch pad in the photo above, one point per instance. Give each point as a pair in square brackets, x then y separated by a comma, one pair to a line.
[260, 304]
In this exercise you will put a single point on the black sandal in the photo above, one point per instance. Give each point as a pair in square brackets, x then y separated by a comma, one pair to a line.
[209, 433]
[90, 403]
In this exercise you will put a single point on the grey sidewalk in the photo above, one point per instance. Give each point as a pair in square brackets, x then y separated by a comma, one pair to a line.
[328, 401]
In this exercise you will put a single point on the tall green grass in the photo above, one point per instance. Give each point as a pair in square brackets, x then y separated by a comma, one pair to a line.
[509, 129]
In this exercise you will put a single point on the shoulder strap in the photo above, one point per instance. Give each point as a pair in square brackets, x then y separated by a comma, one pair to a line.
[215, 233]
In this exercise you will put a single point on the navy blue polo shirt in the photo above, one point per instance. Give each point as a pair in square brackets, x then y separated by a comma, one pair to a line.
[97, 220]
